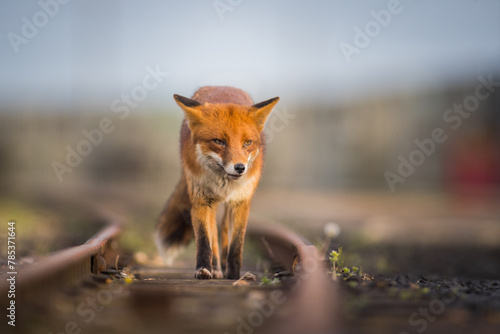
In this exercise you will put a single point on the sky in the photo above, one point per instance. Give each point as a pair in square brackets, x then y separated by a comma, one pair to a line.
[89, 53]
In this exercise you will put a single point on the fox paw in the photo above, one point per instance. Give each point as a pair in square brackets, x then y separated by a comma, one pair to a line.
[203, 273]
[217, 274]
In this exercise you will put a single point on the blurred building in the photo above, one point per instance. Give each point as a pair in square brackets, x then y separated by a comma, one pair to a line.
[349, 145]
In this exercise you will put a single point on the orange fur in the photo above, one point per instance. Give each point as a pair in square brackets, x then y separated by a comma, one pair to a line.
[222, 148]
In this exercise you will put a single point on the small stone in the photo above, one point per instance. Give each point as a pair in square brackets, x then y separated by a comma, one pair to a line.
[243, 280]
[248, 276]
[241, 283]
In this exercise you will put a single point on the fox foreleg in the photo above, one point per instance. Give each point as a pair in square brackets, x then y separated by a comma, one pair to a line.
[240, 212]
[203, 218]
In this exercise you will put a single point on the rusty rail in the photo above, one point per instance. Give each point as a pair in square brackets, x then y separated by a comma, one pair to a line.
[311, 303]
[67, 266]
[314, 297]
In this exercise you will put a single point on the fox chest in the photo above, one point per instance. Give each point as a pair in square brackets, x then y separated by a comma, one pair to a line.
[216, 188]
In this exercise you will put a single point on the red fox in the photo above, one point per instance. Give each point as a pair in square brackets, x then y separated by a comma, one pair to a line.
[222, 150]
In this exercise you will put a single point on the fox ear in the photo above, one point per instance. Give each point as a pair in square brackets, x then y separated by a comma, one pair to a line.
[262, 110]
[190, 108]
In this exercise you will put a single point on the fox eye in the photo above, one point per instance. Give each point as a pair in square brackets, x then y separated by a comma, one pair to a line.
[248, 143]
[220, 142]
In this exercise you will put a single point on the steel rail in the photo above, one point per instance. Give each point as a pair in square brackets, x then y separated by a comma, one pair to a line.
[66, 266]
[314, 296]
[311, 303]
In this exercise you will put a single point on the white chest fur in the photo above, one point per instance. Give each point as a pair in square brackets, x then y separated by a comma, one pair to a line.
[215, 186]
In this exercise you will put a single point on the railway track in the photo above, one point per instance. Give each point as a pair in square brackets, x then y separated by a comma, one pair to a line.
[96, 287]
[93, 288]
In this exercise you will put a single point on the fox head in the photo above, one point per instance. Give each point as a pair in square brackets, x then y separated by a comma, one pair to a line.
[227, 137]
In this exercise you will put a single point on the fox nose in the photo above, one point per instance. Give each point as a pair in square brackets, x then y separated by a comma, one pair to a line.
[239, 168]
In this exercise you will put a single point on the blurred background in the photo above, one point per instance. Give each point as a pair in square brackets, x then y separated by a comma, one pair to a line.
[388, 122]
